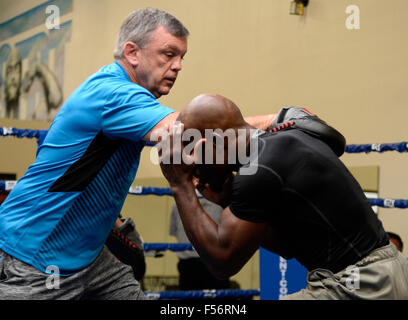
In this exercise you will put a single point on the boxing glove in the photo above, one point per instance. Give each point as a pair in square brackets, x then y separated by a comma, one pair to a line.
[126, 244]
[304, 120]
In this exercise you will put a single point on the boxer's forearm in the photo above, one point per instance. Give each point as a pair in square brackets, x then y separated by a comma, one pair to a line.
[201, 230]
[261, 122]
[199, 227]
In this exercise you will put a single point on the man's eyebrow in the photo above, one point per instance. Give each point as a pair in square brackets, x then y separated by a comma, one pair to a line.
[174, 48]
[171, 47]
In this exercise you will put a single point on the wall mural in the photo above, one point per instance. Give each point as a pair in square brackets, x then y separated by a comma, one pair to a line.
[32, 61]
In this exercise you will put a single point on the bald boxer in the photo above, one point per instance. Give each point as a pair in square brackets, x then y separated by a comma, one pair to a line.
[301, 202]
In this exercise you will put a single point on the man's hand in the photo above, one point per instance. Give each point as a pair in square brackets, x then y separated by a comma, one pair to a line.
[262, 121]
[176, 165]
[222, 198]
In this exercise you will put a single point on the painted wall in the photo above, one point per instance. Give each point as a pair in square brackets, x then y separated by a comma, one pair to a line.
[261, 57]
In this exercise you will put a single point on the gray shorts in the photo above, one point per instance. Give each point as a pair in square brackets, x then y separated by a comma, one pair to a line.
[105, 279]
[382, 275]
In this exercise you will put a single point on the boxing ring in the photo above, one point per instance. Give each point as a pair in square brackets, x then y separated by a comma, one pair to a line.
[287, 276]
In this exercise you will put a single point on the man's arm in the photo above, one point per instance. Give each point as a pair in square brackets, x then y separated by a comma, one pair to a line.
[224, 248]
[261, 122]
[161, 125]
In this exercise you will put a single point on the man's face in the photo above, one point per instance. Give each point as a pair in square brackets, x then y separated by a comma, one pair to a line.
[160, 62]
[214, 175]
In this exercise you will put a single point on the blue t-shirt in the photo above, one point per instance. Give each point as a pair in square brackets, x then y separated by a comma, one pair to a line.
[62, 210]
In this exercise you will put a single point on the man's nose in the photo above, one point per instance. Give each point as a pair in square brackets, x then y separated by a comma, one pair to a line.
[177, 64]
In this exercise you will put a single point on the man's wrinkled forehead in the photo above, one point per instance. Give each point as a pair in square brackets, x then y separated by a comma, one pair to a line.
[162, 37]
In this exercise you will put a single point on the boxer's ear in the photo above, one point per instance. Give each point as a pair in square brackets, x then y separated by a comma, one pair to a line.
[131, 52]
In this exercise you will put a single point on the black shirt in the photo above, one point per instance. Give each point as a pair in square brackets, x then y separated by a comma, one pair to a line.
[316, 210]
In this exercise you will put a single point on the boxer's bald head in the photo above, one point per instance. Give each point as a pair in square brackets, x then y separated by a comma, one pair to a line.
[214, 112]
[211, 111]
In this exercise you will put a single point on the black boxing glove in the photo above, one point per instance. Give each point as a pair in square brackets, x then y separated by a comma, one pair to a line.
[126, 244]
[303, 119]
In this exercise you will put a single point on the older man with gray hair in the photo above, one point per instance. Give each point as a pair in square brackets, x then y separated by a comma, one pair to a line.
[54, 223]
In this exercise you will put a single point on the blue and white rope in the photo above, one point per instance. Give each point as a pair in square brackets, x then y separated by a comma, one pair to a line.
[202, 294]
[24, 133]
[351, 148]
[6, 185]
[175, 247]
[377, 147]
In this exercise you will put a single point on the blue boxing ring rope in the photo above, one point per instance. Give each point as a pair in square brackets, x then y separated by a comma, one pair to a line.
[384, 203]
[6, 185]
[351, 148]
[377, 147]
[202, 294]
[144, 191]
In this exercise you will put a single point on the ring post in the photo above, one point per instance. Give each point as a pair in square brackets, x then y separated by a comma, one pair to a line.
[279, 277]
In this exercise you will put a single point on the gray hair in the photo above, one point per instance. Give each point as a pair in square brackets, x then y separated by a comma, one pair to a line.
[140, 24]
